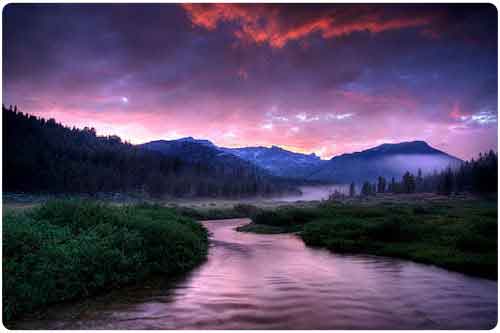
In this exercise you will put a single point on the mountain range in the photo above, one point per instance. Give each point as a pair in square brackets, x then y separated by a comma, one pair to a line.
[387, 160]
[43, 156]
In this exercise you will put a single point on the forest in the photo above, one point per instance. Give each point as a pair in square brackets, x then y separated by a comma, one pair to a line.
[43, 156]
[477, 176]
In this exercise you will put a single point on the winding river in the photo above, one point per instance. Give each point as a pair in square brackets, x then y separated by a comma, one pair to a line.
[275, 282]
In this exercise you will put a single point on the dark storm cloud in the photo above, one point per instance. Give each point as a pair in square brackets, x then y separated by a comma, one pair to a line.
[324, 78]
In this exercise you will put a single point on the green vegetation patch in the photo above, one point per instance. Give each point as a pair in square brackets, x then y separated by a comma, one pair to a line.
[65, 250]
[457, 235]
[266, 229]
[238, 211]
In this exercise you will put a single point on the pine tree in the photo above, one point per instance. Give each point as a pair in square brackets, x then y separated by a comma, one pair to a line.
[408, 183]
[446, 182]
[381, 186]
[366, 189]
[352, 190]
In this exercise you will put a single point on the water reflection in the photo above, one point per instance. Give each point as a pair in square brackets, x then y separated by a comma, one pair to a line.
[274, 282]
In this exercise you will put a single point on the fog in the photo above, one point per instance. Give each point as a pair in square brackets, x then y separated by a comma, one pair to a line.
[311, 193]
[399, 164]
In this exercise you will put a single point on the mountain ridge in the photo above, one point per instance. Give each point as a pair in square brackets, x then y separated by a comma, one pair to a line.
[387, 159]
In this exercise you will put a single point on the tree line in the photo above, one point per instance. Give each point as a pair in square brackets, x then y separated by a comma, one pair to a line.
[43, 156]
[477, 176]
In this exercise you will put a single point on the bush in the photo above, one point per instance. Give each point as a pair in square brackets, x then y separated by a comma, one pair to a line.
[395, 229]
[270, 217]
[478, 236]
[69, 249]
[286, 216]
[421, 210]
[329, 232]
[247, 210]
[459, 235]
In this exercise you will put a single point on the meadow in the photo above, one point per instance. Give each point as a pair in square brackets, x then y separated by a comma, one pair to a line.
[69, 249]
[60, 250]
[459, 235]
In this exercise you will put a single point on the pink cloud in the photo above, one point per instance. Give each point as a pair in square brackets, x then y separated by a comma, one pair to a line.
[264, 24]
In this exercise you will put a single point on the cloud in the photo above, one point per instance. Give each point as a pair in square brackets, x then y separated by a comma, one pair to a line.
[484, 117]
[242, 74]
[355, 74]
[230, 135]
[303, 117]
[339, 116]
[268, 126]
[276, 26]
[457, 113]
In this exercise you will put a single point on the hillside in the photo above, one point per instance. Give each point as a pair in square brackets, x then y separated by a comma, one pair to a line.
[279, 161]
[387, 160]
[201, 151]
[43, 156]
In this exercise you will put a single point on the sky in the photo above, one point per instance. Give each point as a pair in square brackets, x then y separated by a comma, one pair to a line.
[316, 78]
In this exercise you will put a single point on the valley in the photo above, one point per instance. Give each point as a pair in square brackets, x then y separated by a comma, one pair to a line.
[249, 166]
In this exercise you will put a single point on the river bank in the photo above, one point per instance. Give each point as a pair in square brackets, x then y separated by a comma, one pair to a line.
[459, 235]
[252, 281]
[65, 250]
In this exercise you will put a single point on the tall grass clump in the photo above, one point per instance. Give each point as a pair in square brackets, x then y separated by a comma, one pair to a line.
[458, 235]
[66, 250]
[285, 216]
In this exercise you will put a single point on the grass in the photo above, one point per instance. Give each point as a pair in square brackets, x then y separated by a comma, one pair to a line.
[266, 229]
[237, 211]
[457, 235]
[64, 250]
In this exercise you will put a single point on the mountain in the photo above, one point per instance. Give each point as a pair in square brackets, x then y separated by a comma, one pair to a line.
[279, 161]
[387, 160]
[273, 161]
[189, 149]
[201, 152]
[204, 154]
[43, 156]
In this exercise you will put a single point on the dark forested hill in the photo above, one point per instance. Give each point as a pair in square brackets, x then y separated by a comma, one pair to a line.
[199, 151]
[387, 160]
[41, 155]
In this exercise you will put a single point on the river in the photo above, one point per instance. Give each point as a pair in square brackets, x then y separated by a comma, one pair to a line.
[255, 281]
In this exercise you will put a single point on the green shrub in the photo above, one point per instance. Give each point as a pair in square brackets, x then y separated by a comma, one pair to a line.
[461, 237]
[421, 210]
[69, 249]
[270, 217]
[247, 210]
[328, 232]
[478, 235]
[286, 216]
[211, 213]
[395, 229]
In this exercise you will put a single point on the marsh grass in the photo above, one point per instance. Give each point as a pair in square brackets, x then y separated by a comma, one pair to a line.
[460, 236]
[66, 250]
[237, 211]
[267, 229]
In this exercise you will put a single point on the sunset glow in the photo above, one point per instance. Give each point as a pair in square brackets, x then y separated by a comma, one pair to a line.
[324, 79]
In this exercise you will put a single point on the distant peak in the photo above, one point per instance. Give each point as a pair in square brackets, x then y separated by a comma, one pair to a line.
[187, 138]
[416, 143]
[193, 140]
[406, 143]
